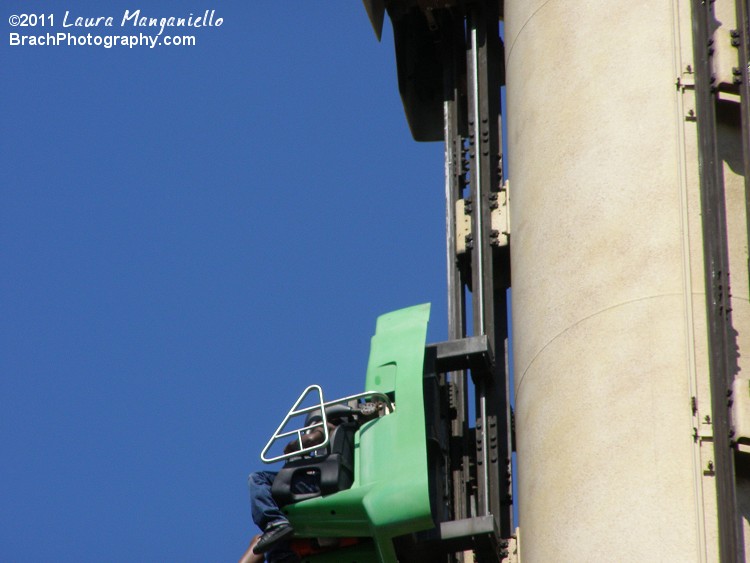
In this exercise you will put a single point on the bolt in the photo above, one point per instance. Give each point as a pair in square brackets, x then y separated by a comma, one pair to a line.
[689, 69]
[734, 33]
[710, 466]
[707, 419]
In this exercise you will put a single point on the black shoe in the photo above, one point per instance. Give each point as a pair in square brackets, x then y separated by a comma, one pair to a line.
[275, 532]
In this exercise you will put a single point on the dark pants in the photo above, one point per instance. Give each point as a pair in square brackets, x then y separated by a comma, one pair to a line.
[266, 511]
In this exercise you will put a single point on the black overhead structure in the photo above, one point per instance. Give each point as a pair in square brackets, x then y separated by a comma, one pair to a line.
[449, 59]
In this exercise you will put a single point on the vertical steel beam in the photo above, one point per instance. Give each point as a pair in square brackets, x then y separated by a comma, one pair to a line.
[463, 39]
[720, 341]
[490, 267]
[454, 114]
[743, 25]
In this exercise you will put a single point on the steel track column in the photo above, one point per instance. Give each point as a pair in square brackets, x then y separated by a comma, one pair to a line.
[454, 114]
[490, 267]
[717, 283]
[743, 24]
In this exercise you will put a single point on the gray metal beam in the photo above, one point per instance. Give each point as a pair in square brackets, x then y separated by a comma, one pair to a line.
[743, 25]
[716, 277]
[490, 265]
[472, 353]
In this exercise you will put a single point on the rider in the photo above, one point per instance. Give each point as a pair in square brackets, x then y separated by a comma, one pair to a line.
[277, 530]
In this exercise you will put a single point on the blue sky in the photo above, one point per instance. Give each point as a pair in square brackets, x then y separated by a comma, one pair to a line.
[190, 236]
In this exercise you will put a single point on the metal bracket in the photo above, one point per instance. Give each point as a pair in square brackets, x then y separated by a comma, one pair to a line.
[723, 44]
[687, 80]
[464, 238]
[500, 217]
[514, 549]
[686, 85]
[475, 534]
[704, 431]
[741, 414]
[467, 353]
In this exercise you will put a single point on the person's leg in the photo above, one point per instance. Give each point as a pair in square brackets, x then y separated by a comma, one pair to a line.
[249, 556]
[264, 508]
[268, 517]
[279, 554]
[280, 551]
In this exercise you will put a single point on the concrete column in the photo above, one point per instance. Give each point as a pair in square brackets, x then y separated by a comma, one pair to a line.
[609, 320]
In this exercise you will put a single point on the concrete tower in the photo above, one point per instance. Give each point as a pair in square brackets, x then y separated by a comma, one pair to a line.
[630, 277]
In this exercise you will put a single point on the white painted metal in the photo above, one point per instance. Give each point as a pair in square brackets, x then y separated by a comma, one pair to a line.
[320, 406]
[294, 413]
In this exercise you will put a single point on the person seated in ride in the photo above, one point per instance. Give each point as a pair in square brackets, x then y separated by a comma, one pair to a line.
[277, 530]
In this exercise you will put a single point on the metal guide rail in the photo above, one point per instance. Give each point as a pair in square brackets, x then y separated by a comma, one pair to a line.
[450, 67]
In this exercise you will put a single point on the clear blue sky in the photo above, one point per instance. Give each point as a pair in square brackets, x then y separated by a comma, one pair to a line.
[189, 236]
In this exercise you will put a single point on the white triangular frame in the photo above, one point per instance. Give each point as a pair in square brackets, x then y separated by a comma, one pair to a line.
[295, 411]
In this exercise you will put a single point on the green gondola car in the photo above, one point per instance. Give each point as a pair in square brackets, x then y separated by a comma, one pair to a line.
[374, 474]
